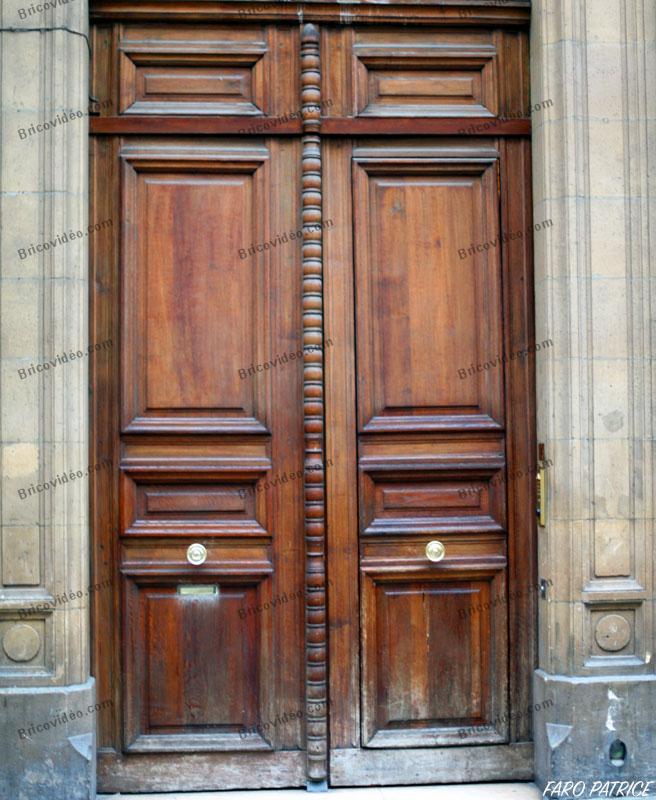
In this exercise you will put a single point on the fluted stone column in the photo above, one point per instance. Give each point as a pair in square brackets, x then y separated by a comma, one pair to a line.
[595, 176]
[47, 721]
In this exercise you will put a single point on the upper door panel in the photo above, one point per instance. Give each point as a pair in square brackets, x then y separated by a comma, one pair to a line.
[423, 72]
[412, 72]
[190, 70]
[422, 312]
[198, 311]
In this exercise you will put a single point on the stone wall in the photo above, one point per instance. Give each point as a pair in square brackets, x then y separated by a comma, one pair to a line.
[47, 740]
[593, 153]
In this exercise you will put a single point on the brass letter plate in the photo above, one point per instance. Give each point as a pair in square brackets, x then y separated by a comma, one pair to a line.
[202, 589]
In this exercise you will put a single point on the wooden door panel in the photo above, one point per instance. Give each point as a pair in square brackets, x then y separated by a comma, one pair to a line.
[213, 69]
[215, 688]
[189, 210]
[408, 72]
[198, 665]
[411, 505]
[192, 509]
[421, 313]
[195, 490]
[197, 315]
[404, 72]
[418, 481]
[195, 667]
[431, 668]
[431, 488]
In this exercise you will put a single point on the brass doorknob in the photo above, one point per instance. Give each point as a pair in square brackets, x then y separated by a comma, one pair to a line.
[435, 551]
[196, 554]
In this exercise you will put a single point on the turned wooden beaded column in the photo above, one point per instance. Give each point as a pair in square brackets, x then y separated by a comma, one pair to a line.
[316, 655]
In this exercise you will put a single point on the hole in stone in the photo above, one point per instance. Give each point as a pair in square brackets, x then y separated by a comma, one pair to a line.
[617, 753]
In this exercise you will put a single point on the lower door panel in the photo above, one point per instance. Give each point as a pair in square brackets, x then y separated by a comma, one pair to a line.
[430, 669]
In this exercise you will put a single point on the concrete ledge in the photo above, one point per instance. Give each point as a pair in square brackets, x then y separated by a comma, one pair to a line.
[573, 736]
[48, 742]
[469, 791]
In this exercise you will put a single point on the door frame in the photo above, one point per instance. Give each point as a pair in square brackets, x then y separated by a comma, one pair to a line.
[513, 142]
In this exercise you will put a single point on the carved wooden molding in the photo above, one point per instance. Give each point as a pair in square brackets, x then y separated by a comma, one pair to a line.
[463, 13]
[316, 652]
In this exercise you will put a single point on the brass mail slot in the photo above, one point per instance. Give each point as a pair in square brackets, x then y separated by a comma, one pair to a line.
[203, 589]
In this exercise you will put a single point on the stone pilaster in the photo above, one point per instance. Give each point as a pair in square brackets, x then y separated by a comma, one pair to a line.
[47, 718]
[595, 176]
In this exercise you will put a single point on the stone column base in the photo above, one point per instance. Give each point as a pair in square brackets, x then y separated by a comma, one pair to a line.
[57, 762]
[573, 736]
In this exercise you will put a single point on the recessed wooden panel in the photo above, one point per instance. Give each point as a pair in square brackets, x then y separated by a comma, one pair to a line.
[194, 665]
[440, 486]
[187, 508]
[458, 671]
[197, 669]
[418, 73]
[193, 500]
[225, 70]
[422, 313]
[429, 498]
[199, 206]
[203, 489]
[214, 85]
[198, 311]
[408, 505]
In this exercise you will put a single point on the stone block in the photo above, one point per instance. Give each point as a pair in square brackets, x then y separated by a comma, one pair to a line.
[47, 743]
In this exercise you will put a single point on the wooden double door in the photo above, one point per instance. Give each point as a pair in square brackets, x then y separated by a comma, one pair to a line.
[318, 531]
